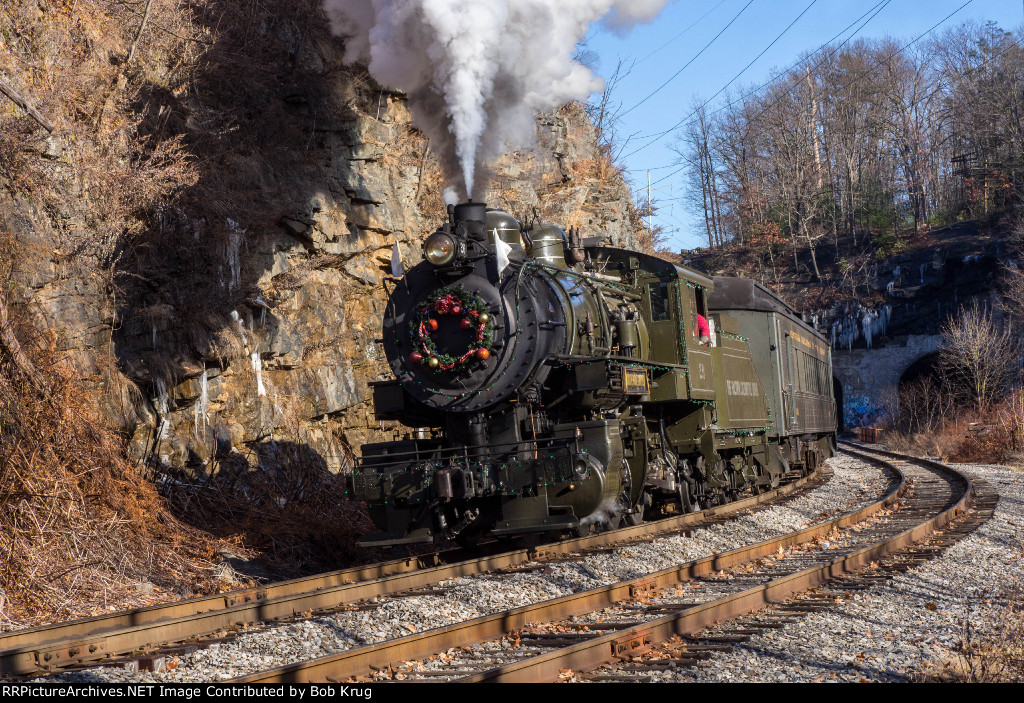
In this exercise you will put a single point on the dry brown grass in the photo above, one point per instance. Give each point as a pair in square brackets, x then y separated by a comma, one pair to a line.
[992, 437]
[282, 503]
[101, 170]
[80, 527]
[995, 656]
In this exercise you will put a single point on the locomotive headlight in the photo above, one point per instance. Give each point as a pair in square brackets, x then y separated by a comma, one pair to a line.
[439, 249]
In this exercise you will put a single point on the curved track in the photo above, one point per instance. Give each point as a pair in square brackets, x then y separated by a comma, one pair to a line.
[621, 621]
[119, 637]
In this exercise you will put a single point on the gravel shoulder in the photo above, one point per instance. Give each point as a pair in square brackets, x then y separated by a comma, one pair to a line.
[904, 628]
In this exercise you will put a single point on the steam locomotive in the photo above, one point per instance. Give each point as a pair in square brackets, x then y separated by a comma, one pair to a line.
[555, 385]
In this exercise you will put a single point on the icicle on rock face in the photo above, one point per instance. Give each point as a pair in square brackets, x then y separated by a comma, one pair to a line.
[476, 71]
[162, 409]
[234, 245]
[257, 367]
[203, 403]
[241, 327]
[867, 320]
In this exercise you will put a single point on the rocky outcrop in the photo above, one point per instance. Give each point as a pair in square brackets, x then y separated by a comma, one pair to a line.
[228, 327]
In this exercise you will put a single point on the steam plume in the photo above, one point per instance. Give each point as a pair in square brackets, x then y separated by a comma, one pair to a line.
[476, 71]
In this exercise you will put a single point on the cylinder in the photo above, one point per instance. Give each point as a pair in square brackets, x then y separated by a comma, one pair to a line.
[443, 484]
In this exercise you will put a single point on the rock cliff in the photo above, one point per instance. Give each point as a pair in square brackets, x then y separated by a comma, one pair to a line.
[242, 316]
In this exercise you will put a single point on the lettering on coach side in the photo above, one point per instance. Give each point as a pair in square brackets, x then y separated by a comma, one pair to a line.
[810, 344]
[749, 388]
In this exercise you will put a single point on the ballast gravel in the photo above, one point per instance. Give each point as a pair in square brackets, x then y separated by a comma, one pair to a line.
[901, 629]
[854, 485]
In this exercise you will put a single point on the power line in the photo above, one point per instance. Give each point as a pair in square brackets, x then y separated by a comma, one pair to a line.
[878, 7]
[833, 52]
[695, 57]
[846, 85]
[740, 74]
[776, 39]
[864, 73]
[720, 3]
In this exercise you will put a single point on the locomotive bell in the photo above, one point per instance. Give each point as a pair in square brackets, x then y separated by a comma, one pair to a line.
[548, 245]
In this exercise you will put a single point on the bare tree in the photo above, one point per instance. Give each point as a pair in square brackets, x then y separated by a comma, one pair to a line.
[603, 111]
[917, 406]
[694, 151]
[978, 359]
[861, 143]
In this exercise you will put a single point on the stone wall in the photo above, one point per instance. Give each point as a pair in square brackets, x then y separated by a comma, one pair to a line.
[867, 375]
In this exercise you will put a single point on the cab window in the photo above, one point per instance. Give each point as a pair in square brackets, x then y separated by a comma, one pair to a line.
[658, 292]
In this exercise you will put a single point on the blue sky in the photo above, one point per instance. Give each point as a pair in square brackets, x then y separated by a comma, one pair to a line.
[664, 47]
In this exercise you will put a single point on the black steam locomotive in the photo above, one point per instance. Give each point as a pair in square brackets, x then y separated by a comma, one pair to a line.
[555, 385]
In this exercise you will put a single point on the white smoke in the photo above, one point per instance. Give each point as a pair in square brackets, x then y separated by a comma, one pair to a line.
[476, 71]
[449, 196]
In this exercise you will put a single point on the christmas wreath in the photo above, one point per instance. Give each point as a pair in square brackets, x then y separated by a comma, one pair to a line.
[472, 311]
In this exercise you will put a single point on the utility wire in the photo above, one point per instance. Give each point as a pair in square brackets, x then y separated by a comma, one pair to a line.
[861, 74]
[878, 7]
[776, 39]
[695, 57]
[864, 73]
[720, 3]
[874, 10]
[720, 90]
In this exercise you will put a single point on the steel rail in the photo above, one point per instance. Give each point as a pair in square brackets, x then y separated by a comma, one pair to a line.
[92, 639]
[593, 652]
[360, 660]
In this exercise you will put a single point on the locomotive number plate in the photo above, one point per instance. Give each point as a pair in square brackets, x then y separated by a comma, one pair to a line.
[634, 381]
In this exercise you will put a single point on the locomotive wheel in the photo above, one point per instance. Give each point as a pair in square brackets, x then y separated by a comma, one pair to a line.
[583, 530]
[635, 516]
[687, 502]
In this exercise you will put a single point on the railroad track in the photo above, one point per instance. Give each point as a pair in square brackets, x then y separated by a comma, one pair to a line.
[620, 622]
[689, 649]
[143, 636]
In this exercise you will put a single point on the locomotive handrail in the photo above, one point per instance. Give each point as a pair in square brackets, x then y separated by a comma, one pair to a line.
[580, 358]
[555, 444]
